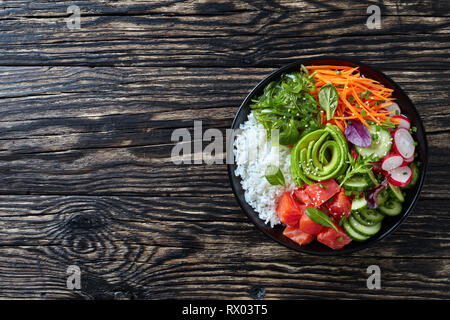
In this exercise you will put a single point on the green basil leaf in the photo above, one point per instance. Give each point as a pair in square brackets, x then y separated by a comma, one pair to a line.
[328, 99]
[275, 176]
[320, 217]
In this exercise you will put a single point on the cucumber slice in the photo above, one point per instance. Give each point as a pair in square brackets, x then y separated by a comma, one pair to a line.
[391, 208]
[371, 215]
[358, 204]
[415, 176]
[359, 182]
[397, 193]
[352, 233]
[381, 143]
[361, 220]
[382, 197]
[367, 230]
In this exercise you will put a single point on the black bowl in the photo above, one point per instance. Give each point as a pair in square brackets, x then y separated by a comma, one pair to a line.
[389, 223]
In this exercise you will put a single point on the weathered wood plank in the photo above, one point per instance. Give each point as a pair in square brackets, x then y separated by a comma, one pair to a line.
[42, 8]
[236, 33]
[173, 248]
[256, 22]
[168, 96]
[424, 51]
[181, 273]
[207, 223]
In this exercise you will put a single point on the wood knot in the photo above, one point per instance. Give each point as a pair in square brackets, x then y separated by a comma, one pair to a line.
[257, 292]
[85, 221]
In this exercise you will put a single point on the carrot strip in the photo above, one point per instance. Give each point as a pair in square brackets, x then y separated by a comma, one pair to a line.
[352, 87]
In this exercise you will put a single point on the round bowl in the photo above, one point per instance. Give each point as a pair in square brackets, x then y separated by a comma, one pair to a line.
[389, 223]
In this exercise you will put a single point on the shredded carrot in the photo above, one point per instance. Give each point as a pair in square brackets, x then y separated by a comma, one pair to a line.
[360, 98]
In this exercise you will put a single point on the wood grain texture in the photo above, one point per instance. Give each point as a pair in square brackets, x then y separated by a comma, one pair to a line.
[235, 33]
[86, 119]
[169, 247]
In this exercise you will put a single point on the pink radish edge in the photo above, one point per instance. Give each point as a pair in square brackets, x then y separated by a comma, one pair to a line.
[404, 122]
[391, 162]
[403, 143]
[401, 176]
[394, 108]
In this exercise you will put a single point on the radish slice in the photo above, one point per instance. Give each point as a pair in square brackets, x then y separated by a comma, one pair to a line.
[408, 160]
[401, 176]
[404, 122]
[404, 143]
[391, 162]
[393, 107]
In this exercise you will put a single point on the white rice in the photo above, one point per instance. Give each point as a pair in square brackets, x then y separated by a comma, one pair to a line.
[253, 153]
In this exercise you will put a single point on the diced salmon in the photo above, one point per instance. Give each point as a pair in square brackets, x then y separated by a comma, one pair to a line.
[309, 226]
[334, 239]
[340, 205]
[296, 235]
[288, 211]
[322, 191]
[302, 196]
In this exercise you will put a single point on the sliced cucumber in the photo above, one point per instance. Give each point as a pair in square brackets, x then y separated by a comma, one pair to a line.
[367, 230]
[391, 208]
[382, 197]
[415, 176]
[352, 233]
[381, 143]
[358, 204]
[397, 193]
[361, 219]
[358, 182]
[371, 215]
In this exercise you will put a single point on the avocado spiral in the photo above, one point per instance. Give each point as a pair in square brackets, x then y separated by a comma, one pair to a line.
[319, 155]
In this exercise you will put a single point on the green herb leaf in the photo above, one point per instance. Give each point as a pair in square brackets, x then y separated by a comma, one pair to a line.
[288, 101]
[289, 134]
[328, 99]
[320, 217]
[361, 165]
[275, 176]
[388, 123]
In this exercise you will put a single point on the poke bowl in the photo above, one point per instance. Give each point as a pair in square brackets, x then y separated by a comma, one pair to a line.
[329, 156]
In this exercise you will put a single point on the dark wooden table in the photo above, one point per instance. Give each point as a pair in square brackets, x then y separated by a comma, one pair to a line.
[85, 142]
